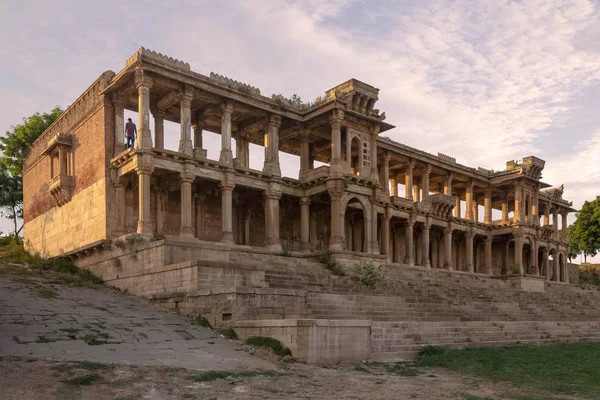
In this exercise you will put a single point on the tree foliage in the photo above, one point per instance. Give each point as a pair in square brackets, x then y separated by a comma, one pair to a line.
[14, 146]
[584, 233]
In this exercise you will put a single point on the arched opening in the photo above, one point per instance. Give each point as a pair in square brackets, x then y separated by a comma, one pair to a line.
[540, 264]
[355, 225]
[355, 156]
[527, 207]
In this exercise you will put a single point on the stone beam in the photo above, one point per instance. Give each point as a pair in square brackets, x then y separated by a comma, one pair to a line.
[169, 100]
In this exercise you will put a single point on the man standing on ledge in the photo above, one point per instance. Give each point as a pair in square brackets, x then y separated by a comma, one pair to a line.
[130, 132]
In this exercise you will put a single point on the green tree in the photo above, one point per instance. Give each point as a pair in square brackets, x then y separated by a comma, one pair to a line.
[14, 146]
[584, 233]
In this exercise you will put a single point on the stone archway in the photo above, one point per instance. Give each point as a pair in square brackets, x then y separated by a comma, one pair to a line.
[356, 224]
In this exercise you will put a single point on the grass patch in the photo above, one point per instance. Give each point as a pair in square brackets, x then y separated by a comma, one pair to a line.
[84, 380]
[202, 321]
[562, 369]
[401, 369]
[589, 277]
[47, 294]
[369, 274]
[210, 376]
[229, 333]
[326, 258]
[273, 344]
[71, 330]
[44, 339]
[96, 338]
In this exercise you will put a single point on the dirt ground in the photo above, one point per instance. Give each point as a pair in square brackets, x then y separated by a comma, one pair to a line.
[22, 378]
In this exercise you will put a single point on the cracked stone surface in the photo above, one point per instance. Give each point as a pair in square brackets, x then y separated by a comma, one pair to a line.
[44, 320]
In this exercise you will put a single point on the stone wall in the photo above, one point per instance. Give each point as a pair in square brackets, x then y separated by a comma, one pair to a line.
[62, 229]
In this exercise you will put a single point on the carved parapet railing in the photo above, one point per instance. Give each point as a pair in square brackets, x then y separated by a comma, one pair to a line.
[402, 202]
[310, 175]
[235, 85]
[442, 205]
[546, 232]
[61, 188]
[424, 207]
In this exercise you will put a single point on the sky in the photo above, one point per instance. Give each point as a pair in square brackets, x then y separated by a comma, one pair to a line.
[485, 81]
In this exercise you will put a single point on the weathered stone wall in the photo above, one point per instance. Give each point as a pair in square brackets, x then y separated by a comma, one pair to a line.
[51, 230]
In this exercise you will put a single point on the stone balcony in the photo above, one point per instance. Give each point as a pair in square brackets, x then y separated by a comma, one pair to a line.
[61, 188]
[320, 173]
[442, 205]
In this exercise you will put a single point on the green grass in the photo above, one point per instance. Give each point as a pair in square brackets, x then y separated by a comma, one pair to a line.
[202, 321]
[209, 376]
[229, 333]
[47, 294]
[273, 344]
[561, 369]
[326, 258]
[85, 380]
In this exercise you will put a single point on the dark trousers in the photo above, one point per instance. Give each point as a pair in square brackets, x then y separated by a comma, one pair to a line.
[130, 142]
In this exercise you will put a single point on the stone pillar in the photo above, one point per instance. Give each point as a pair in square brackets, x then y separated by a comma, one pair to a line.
[408, 179]
[374, 133]
[247, 220]
[120, 186]
[312, 154]
[519, 253]
[304, 150]
[199, 151]
[518, 201]
[448, 184]
[159, 129]
[373, 234]
[488, 254]
[143, 84]
[425, 243]
[336, 190]
[416, 192]
[547, 215]
[272, 196]
[305, 224]
[555, 222]
[119, 107]
[226, 155]
[469, 245]
[448, 248]
[505, 209]
[187, 177]
[487, 203]
[469, 200]
[457, 205]
[386, 174]
[534, 258]
[556, 266]
[185, 141]
[409, 240]
[385, 235]
[545, 260]
[271, 165]
[535, 207]
[564, 215]
[226, 187]
[162, 199]
[397, 245]
[394, 186]
[242, 150]
[200, 200]
[425, 183]
[144, 172]
[475, 209]
[336, 141]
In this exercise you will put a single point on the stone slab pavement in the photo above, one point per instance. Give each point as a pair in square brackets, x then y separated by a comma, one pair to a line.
[44, 320]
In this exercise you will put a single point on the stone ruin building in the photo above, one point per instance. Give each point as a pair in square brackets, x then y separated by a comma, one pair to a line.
[237, 245]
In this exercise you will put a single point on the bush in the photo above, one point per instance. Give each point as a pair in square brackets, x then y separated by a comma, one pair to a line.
[431, 351]
[202, 321]
[229, 333]
[326, 258]
[273, 344]
[369, 274]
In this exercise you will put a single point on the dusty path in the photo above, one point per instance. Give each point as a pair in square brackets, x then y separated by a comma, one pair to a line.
[44, 320]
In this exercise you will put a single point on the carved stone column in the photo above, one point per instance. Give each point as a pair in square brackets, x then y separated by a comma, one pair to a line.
[425, 242]
[226, 155]
[518, 206]
[200, 203]
[119, 107]
[374, 132]
[305, 224]
[547, 215]
[143, 84]
[242, 150]
[187, 177]
[385, 235]
[336, 190]
[487, 203]
[488, 254]
[545, 261]
[535, 207]
[394, 186]
[272, 195]
[448, 248]
[120, 186]
[159, 129]
[519, 252]
[199, 151]
[469, 245]
[448, 184]
[425, 183]
[144, 171]
[564, 215]
[555, 222]
[556, 266]
[162, 198]
[386, 174]
[408, 179]
[505, 208]
[271, 165]
[416, 192]
[475, 212]
[304, 150]
[247, 220]
[336, 141]
[227, 186]
[373, 233]
[409, 240]
[469, 201]
[457, 204]
[185, 142]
